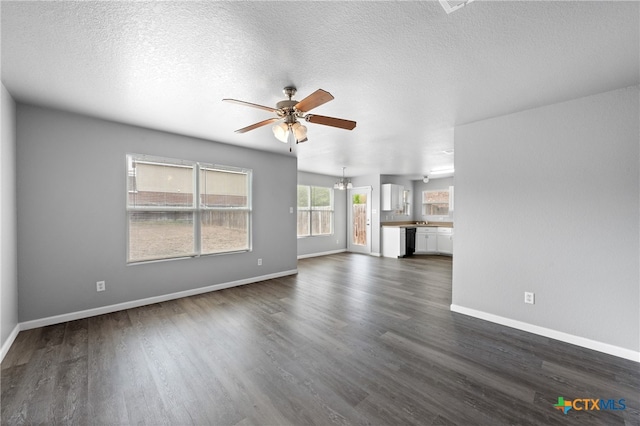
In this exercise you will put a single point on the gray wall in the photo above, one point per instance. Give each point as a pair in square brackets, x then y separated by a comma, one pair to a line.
[432, 185]
[308, 246]
[547, 200]
[71, 206]
[8, 236]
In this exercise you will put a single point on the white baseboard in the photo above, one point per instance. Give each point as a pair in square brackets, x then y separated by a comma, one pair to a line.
[7, 343]
[57, 319]
[553, 334]
[324, 253]
[376, 254]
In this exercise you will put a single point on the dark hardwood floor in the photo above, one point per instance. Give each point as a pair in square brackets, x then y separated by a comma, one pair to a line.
[351, 339]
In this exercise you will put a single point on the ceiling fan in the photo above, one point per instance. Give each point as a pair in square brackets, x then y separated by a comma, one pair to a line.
[290, 110]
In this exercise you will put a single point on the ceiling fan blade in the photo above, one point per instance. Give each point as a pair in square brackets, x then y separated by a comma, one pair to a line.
[235, 101]
[330, 121]
[315, 99]
[256, 125]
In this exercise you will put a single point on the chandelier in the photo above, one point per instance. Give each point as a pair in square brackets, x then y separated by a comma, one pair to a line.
[343, 183]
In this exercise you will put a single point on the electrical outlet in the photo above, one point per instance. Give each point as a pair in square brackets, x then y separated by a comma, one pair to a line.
[529, 298]
[259, 262]
[100, 286]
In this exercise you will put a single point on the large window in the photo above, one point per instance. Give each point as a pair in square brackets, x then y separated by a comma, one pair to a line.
[315, 211]
[179, 208]
[435, 203]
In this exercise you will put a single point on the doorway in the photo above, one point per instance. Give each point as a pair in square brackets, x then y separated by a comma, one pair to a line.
[359, 229]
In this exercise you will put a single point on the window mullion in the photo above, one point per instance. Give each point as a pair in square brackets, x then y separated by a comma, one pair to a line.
[311, 211]
[197, 225]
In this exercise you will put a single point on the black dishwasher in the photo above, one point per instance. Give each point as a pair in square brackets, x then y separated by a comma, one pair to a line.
[410, 241]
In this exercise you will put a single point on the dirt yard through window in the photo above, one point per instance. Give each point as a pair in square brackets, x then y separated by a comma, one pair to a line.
[157, 240]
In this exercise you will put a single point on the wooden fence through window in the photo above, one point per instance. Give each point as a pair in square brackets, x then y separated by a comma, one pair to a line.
[359, 224]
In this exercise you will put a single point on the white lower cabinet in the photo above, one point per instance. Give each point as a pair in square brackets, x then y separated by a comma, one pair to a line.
[445, 244]
[393, 241]
[426, 240]
[429, 240]
[434, 240]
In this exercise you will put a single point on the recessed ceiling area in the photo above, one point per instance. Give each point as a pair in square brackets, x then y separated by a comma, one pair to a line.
[406, 72]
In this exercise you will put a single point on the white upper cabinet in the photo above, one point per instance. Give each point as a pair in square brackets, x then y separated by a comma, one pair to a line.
[392, 197]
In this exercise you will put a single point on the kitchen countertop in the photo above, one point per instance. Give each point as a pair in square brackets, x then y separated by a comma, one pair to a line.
[417, 225]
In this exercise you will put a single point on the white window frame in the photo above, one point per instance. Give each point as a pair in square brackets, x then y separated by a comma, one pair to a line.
[310, 209]
[425, 204]
[197, 208]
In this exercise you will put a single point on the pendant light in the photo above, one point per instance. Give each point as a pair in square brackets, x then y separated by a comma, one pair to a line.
[343, 183]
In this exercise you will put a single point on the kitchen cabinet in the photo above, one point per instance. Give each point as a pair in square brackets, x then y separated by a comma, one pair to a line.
[426, 240]
[392, 197]
[433, 240]
[393, 241]
[445, 240]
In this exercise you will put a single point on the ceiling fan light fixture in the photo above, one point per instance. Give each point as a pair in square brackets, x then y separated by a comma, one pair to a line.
[280, 131]
[299, 131]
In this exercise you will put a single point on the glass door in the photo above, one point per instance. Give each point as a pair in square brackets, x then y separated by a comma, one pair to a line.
[359, 220]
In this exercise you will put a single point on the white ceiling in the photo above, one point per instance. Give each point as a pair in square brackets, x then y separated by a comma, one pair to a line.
[405, 71]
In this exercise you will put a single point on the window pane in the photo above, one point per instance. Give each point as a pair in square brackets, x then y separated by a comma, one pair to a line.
[359, 199]
[154, 235]
[159, 185]
[303, 223]
[322, 216]
[321, 197]
[321, 222]
[359, 220]
[222, 188]
[315, 211]
[437, 209]
[435, 197]
[303, 196]
[223, 231]
[304, 202]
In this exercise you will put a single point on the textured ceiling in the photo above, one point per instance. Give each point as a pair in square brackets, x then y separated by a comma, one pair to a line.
[405, 71]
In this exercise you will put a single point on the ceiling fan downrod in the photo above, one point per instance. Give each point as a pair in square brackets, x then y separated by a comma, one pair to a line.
[289, 91]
